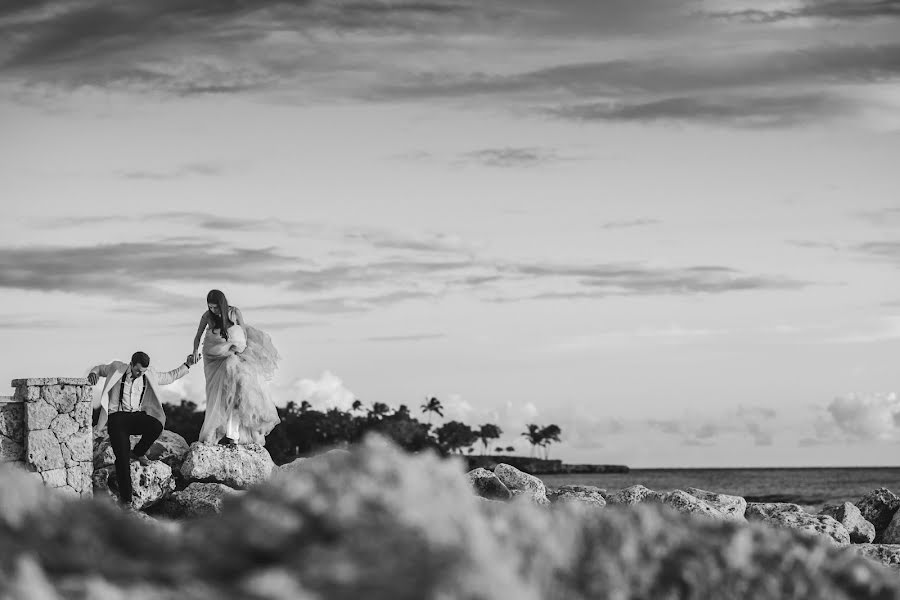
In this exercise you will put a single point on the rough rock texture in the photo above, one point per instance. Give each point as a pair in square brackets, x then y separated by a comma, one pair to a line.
[103, 452]
[149, 485]
[878, 508]
[371, 525]
[891, 533]
[731, 507]
[886, 554]
[632, 495]
[515, 480]
[584, 495]
[196, 500]
[848, 515]
[12, 431]
[169, 448]
[304, 462]
[792, 516]
[42, 450]
[488, 485]
[239, 466]
[686, 503]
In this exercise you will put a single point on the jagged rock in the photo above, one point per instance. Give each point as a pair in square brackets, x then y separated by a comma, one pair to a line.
[62, 398]
[886, 554]
[878, 508]
[196, 500]
[848, 515]
[42, 450]
[632, 495]
[686, 503]
[585, 495]
[149, 485]
[517, 481]
[103, 452]
[488, 485]
[382, 525]
[303, 462]
[782, 514]
[239, 466]
[731, 507]
[169, 448]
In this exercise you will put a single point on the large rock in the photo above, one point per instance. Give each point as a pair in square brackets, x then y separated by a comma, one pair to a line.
[683, 502]
[886, 554]
[239, 466]
[149, 485]
[169, 448]
[103, 452]
[383, 525]
[635, 494]
[196, 500]
[517, 481]
[306, 462]
[731, 507]
[782, 514]
[848, 515]
[878, 508]
[582, 495]
[488, 485]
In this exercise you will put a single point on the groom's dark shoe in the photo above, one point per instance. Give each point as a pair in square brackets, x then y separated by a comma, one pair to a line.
[143, 460]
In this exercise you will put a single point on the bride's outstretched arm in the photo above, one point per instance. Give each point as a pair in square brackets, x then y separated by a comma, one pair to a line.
[204, 321]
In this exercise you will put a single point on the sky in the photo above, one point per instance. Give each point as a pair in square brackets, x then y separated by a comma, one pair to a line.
[668, 226]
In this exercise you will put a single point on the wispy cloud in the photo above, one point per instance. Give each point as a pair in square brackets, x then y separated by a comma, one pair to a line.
[756, 422]
[190, 170]
[511, 157]
[418, 337]
[629, 224]
[840, 10]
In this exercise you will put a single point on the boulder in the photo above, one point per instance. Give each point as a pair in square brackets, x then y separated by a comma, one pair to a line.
[632, 495]
[488, 485]
[731, 507]
[886, 554]
[848, 515]
[169, 448]
[103, 452]
[306, 462]
[239, 466]
[585, 495]
[529, 496]
[878, 508]
[782, 514]
[515, 480]
[196, 500]
[149, 485]
[683, 502]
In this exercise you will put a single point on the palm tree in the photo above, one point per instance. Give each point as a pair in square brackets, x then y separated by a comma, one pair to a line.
[379, 409]
[357, 405]
[433, 406]
[534, 435]
[488, 432]
[305, 406]
[549, 434]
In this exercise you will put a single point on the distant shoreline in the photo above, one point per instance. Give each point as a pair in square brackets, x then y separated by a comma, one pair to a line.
[541, 466]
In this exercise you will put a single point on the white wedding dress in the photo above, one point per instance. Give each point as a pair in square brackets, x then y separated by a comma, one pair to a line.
[238, 403]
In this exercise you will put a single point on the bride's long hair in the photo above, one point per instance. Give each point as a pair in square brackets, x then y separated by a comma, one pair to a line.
[220, 321]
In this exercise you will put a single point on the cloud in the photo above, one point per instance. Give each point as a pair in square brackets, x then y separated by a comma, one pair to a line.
[14, 323]
[841, 10]
[754, 422]
[434, 242]
[738, 110]
[326, 392]
[867, 416]
[629, 224]
[511, 157]
[419, 337]
[189, 170]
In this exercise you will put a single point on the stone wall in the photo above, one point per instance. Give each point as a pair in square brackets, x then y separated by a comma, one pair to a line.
[52, 418]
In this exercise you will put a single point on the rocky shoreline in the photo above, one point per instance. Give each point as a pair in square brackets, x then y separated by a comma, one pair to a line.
[377, 523]
[541, 466]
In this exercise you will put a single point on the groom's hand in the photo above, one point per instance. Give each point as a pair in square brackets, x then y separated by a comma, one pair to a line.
[92, 378]
[190, 360]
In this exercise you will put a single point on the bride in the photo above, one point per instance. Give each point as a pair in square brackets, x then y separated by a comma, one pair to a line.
[237, 361]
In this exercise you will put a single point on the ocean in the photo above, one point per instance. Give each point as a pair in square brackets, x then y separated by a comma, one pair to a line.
[811, 488]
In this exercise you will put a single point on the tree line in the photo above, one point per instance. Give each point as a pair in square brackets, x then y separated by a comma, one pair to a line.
[304, 430]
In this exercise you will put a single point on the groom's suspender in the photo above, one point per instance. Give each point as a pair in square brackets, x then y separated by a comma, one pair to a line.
[122, 394]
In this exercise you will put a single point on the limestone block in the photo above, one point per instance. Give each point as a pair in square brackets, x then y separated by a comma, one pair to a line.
[78, 477]
[39, 414]
[64, 427]
[82, 415]
[54, 477]
[43, 452]
[12, 421]
[34, 381]
[238, 466]
[81, 447]
[73, 381]
[61, 397]
[11, 450]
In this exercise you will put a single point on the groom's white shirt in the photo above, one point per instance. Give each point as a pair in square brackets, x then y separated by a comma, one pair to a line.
[150, 403]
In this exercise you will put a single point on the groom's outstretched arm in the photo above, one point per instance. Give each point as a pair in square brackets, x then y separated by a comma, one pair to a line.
[175, 374]
[101, 371]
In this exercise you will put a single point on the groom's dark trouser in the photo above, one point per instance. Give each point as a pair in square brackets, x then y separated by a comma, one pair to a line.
[121, 426]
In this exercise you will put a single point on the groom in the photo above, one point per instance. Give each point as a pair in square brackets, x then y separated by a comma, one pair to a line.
[130, 402]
